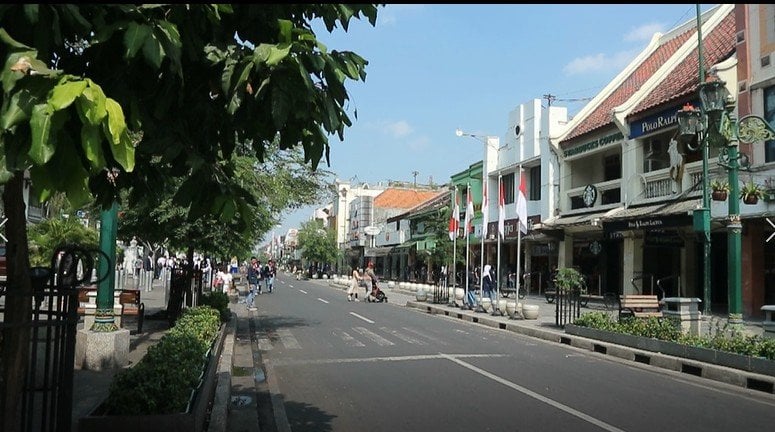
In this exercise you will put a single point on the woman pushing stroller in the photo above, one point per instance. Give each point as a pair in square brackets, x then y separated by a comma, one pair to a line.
[376, 294]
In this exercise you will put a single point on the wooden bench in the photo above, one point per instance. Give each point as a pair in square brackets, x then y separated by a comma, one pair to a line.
[126, 303]
[639, 306]
[132, 306]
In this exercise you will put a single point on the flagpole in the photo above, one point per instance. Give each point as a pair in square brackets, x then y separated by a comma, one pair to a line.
[454, 245]
[485, 214]
[497, 307]
[468, 241]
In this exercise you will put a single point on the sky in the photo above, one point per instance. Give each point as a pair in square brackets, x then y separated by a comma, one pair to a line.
[438, 67]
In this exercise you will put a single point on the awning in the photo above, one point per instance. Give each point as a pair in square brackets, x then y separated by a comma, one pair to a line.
[664, 208]
[572, 220]
[672, 214]
[406, 245]
[377, 251]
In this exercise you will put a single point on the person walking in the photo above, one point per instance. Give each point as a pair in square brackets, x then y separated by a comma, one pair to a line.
[352, 291]
[269, 273]
[254, 272]
[372, 278]
[487, 283]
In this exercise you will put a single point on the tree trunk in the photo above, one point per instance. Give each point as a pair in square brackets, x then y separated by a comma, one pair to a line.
[14, 347]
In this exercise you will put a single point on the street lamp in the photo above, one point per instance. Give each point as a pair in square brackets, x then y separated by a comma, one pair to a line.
[715, 124]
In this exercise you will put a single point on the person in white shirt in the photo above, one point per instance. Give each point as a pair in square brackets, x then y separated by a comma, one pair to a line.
[228, 280]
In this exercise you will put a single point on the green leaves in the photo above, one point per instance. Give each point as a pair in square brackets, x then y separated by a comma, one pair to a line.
[134, 38]
[40, 124]
[65, 93]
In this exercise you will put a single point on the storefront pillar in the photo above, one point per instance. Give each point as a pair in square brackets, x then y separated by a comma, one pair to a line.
[633, 262]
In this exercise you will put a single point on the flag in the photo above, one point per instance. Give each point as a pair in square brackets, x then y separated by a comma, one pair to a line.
[522, 202]
[501, 209]
[454, 218]
[469, 211]
[485, 207]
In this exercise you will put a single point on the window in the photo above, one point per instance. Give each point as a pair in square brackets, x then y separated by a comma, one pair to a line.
[769, 115]
[509, 188]
[612, 167]
[655, 153]
[534, 184]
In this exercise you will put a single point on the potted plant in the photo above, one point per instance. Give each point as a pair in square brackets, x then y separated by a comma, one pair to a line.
[567, 279]
[751, 192]
[720, 189]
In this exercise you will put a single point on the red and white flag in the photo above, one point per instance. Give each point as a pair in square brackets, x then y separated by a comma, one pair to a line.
[469, 212]
[501, 209]
[522, 202]
[454, 218]
[485, 207]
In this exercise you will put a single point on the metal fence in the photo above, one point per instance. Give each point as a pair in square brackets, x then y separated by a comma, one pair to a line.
[567, 306]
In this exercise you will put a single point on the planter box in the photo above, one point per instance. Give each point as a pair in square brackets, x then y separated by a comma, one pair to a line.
[193, 420]
[736, 361]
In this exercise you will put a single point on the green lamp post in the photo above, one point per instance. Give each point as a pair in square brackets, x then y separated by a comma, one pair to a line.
[716, 125]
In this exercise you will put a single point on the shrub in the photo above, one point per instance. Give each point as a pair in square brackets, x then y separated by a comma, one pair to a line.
[725, 338]
[163, 381]
[218, 301]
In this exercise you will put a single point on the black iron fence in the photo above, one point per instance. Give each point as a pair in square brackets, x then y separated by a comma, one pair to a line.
[567, 306]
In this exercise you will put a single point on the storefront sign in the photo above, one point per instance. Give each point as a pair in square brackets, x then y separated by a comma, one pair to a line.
[656, 122]
[592, 145]
[648, 223]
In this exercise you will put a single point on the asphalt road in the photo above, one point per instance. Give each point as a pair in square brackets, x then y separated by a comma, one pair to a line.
[333, 365]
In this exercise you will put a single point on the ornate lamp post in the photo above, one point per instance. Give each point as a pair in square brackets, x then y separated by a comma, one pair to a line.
[715, 124]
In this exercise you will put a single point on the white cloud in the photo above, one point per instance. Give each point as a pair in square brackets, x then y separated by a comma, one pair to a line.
[644, 32]
[419, 144]
[388, 15]
[397, 129]
[599, 63]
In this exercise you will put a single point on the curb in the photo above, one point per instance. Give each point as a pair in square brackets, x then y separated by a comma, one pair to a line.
[219, 414]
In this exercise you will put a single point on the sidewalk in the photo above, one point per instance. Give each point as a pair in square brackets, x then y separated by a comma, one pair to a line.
[90, 388]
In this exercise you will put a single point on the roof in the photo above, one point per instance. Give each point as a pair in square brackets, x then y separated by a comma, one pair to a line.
[402, 198]
[665, 208]
[718, 45]
[602, 115]
[441, 198]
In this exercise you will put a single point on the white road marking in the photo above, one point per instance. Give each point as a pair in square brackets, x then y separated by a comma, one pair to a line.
[324, 301]
[379, 340]
[362, 317]
[426, 336]
[599, 423]
[288, 340]
[299, 362]
[348, 340]
[302, 291]
[403, 337]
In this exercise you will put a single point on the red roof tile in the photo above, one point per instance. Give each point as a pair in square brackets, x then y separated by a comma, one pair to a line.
[602, 115]
[683, 80]
[402, 198]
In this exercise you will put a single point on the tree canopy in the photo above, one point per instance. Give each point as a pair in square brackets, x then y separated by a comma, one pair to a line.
[317, 244]
[98, 98]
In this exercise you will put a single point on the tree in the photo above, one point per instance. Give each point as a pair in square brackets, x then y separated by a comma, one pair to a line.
[317, 244]
[49, 234]
[98, 98]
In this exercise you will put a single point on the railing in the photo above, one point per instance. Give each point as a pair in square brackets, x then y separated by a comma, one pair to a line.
[643, 276]
[567, 306]
[676, 278]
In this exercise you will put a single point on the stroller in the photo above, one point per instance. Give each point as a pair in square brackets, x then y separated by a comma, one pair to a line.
[376, 294]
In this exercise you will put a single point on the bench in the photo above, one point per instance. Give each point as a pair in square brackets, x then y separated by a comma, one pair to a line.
[132, 306]
[126, 303]
[639, 306]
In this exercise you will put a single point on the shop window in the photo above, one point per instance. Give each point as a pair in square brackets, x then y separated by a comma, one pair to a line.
[611, 196]
[769, 115]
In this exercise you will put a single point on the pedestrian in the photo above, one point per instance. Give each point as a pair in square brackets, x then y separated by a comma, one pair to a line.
[352, 291]
[269, 272]
[260, 271]
[372, 278]
[253, 283]
[148, 269]
[234, 265]
[227, 279]
[487, 282]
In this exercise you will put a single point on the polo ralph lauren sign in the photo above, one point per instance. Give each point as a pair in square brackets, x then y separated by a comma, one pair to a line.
[648, 223]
